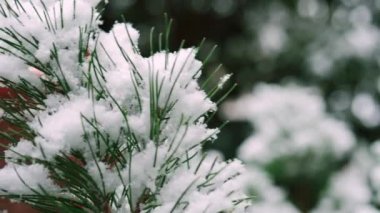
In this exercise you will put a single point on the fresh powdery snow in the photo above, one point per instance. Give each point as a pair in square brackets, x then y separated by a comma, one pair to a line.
[131, 126]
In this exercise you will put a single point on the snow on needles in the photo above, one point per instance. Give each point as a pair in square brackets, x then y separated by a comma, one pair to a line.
[133, 124]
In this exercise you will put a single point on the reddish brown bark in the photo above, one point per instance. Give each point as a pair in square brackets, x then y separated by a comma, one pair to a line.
[4, 203]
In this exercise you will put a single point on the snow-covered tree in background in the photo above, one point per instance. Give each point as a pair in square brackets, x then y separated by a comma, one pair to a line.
[356, 187]
[353, 188]
[333, 45]
[101, 128]
[266, 196]
[293, 136]
[290, 122]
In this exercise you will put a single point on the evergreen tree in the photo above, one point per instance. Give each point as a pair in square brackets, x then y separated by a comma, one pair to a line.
[99, 127]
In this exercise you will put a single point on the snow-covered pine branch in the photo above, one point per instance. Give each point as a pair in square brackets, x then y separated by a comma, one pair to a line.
[103, 129]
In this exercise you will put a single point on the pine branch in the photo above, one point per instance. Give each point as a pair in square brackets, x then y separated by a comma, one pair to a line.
[104, 129]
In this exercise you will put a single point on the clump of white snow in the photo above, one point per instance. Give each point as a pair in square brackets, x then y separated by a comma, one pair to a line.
[135, 124]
